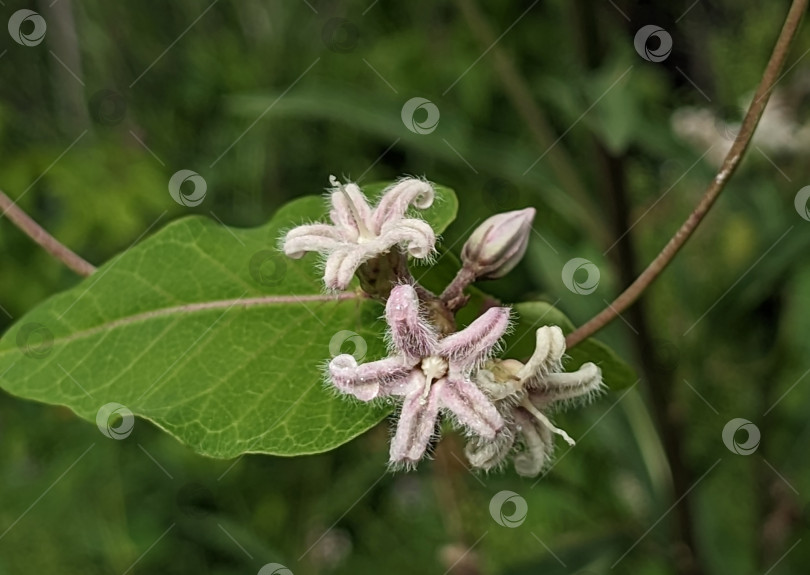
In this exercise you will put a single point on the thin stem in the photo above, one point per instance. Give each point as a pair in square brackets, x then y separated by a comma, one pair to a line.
[453, 295]
[730, 163]
[34, 231]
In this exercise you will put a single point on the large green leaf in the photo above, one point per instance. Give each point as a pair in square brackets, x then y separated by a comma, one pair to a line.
[531, 315]
[210, 333]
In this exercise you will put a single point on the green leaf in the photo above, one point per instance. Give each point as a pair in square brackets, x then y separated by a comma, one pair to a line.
[531, 315]
[210, 333]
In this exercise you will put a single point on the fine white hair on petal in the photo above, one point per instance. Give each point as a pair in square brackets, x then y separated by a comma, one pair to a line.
[524, 394]
[408, 330]
[416, 236]
[359, 233]
[538, 446]
[396, 200]
[473, 345]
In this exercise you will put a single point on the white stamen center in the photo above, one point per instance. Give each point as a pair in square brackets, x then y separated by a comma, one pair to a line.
[434, 368]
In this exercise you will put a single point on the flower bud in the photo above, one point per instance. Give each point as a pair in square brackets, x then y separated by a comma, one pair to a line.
[498, 244]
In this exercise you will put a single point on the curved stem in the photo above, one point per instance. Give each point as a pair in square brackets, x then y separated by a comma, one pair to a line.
[730, 163]
[34, 231]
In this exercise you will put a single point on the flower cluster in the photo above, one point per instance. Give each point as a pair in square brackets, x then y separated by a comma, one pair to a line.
[432, 369]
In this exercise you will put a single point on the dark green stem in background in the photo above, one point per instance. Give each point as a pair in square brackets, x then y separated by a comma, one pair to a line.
[730, 163]
[658, 382]
[519, 93]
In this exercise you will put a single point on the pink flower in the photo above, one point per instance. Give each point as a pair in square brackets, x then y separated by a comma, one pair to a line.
[498, 244]
[430, 374]
[359, 233]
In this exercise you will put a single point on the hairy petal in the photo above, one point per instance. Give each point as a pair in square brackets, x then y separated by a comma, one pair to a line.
[396, 199]
[369, 380]
[341, 265]
[412, 383]
[416, 236]
[537, 443]
[409, 333]
[312, 238]
[547, 356]
[474, 344]
[584, 382]
[489, 454]
[471, 407]
[417, 420]
[348, 205]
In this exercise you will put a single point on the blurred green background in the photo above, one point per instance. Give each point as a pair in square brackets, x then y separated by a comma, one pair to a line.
[266, 99]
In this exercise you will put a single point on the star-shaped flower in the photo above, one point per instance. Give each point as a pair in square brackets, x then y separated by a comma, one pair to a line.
[522, 394]
[359, 233]
[430, 374]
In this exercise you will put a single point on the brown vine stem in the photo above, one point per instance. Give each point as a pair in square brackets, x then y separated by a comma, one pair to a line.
[34, 231]
[730, 163]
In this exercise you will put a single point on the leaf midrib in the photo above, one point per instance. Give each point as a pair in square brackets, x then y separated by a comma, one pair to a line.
[197, 307]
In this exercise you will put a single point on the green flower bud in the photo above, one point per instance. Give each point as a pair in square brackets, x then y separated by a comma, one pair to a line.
[497, 245]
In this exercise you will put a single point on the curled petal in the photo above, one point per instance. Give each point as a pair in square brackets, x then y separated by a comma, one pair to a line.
[409, 333]
[537, 444]
[487, 455]
[350, 209]
[475, 343]
[547, 356]
[341, 265]
[311, 238]
[471, 407]
[369, 380]
[416, 236]
[584, 382]
[417, 421]
[396, 199]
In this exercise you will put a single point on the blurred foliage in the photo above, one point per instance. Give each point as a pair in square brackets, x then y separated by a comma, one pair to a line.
[220, 88]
